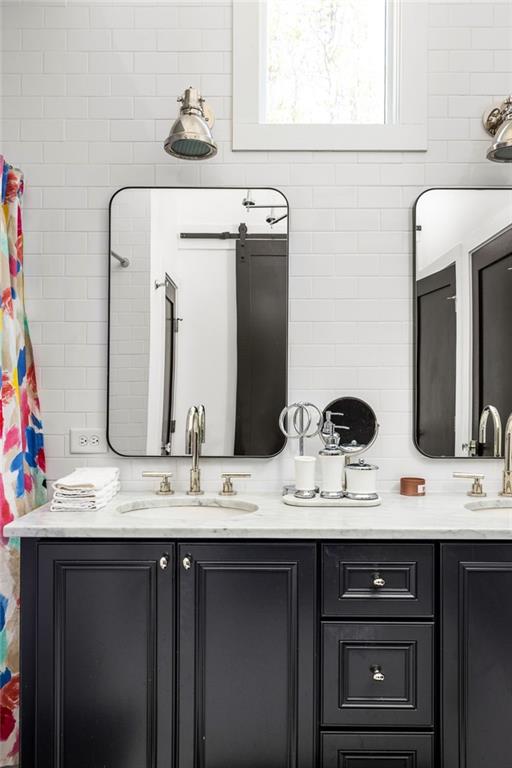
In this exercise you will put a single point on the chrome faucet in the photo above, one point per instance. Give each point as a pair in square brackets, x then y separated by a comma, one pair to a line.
[482, 429]
[507, 471]
[194, 437]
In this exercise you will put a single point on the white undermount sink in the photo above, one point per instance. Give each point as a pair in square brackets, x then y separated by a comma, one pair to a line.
[187, 508]
[490, 505]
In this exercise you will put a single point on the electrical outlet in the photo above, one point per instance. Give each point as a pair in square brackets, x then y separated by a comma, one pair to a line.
[87, 440]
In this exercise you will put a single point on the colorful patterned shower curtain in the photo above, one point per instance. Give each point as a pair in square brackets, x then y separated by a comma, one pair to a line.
[22, 464]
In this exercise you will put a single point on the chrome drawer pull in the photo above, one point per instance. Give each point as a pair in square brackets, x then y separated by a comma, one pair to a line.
[377, 674]
[187, 562]
[378, 581]
[163, 562]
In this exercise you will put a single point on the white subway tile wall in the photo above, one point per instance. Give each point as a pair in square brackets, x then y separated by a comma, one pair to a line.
[88, 95]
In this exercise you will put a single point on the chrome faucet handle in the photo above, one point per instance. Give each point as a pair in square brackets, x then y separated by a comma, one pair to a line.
[227, 482]
[507, 469]
[477, 488]
[165, 485]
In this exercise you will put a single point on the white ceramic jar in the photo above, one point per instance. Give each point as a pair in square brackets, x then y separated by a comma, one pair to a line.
[361, 481]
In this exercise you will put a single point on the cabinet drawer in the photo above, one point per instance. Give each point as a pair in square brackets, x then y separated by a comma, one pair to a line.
[377, 674]
[377, 580]
[377, 750]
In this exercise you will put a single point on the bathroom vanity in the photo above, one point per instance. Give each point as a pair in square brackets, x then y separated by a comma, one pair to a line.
[249, 634]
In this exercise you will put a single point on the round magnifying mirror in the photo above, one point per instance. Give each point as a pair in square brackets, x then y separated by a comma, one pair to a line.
[358, 427]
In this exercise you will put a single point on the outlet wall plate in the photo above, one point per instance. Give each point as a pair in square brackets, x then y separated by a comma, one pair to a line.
[87, 440]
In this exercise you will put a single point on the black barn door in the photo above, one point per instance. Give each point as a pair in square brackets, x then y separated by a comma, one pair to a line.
[436, 363]
[262, 318]
[492, 322]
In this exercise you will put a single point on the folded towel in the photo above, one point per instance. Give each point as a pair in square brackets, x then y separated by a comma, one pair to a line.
[95, 500]
[87, 478]
[62, 506]
[85, 493]
[86, 488]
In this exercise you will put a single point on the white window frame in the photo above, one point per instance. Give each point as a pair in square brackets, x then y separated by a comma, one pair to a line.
[405, 127]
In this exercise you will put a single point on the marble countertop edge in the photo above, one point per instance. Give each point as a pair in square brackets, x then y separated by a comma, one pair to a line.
[144, 515]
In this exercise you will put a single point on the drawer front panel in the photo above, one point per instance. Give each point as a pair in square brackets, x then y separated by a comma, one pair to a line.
[377, 674]
[377, 750]
[376, 580]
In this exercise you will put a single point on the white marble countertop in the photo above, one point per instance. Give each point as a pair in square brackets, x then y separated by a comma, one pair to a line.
[147, 515]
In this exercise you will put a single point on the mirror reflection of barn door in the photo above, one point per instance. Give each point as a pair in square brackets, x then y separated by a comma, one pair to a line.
[436, 366]
[262, 321]
[492, 326]
[171, 329]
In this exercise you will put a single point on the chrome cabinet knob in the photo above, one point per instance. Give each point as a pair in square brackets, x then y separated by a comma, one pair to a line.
[163, 562]
[377, 675]
[187, 562]
[378, 581]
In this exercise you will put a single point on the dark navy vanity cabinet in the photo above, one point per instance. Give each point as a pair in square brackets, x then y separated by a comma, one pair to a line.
[477, 655]
[246, 655]
[135, 659]
[276, 654]
[98, 679]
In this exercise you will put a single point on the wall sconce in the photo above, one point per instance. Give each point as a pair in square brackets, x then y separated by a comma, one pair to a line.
[190, 137]
[498, 123]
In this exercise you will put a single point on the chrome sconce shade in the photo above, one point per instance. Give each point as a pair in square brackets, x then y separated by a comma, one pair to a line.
[190, 137]
[498, 123]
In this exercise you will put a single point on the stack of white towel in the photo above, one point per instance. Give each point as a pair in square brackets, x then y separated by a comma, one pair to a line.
[86, 488]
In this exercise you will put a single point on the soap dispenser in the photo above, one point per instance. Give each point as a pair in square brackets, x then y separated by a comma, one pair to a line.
[332, 460]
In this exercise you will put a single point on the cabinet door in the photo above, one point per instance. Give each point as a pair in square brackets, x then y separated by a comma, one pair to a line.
[103, 675]
[477, 655]
[246, 655]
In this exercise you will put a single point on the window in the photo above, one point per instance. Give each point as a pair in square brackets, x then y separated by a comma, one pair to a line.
[324, 62]
[329, 74]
